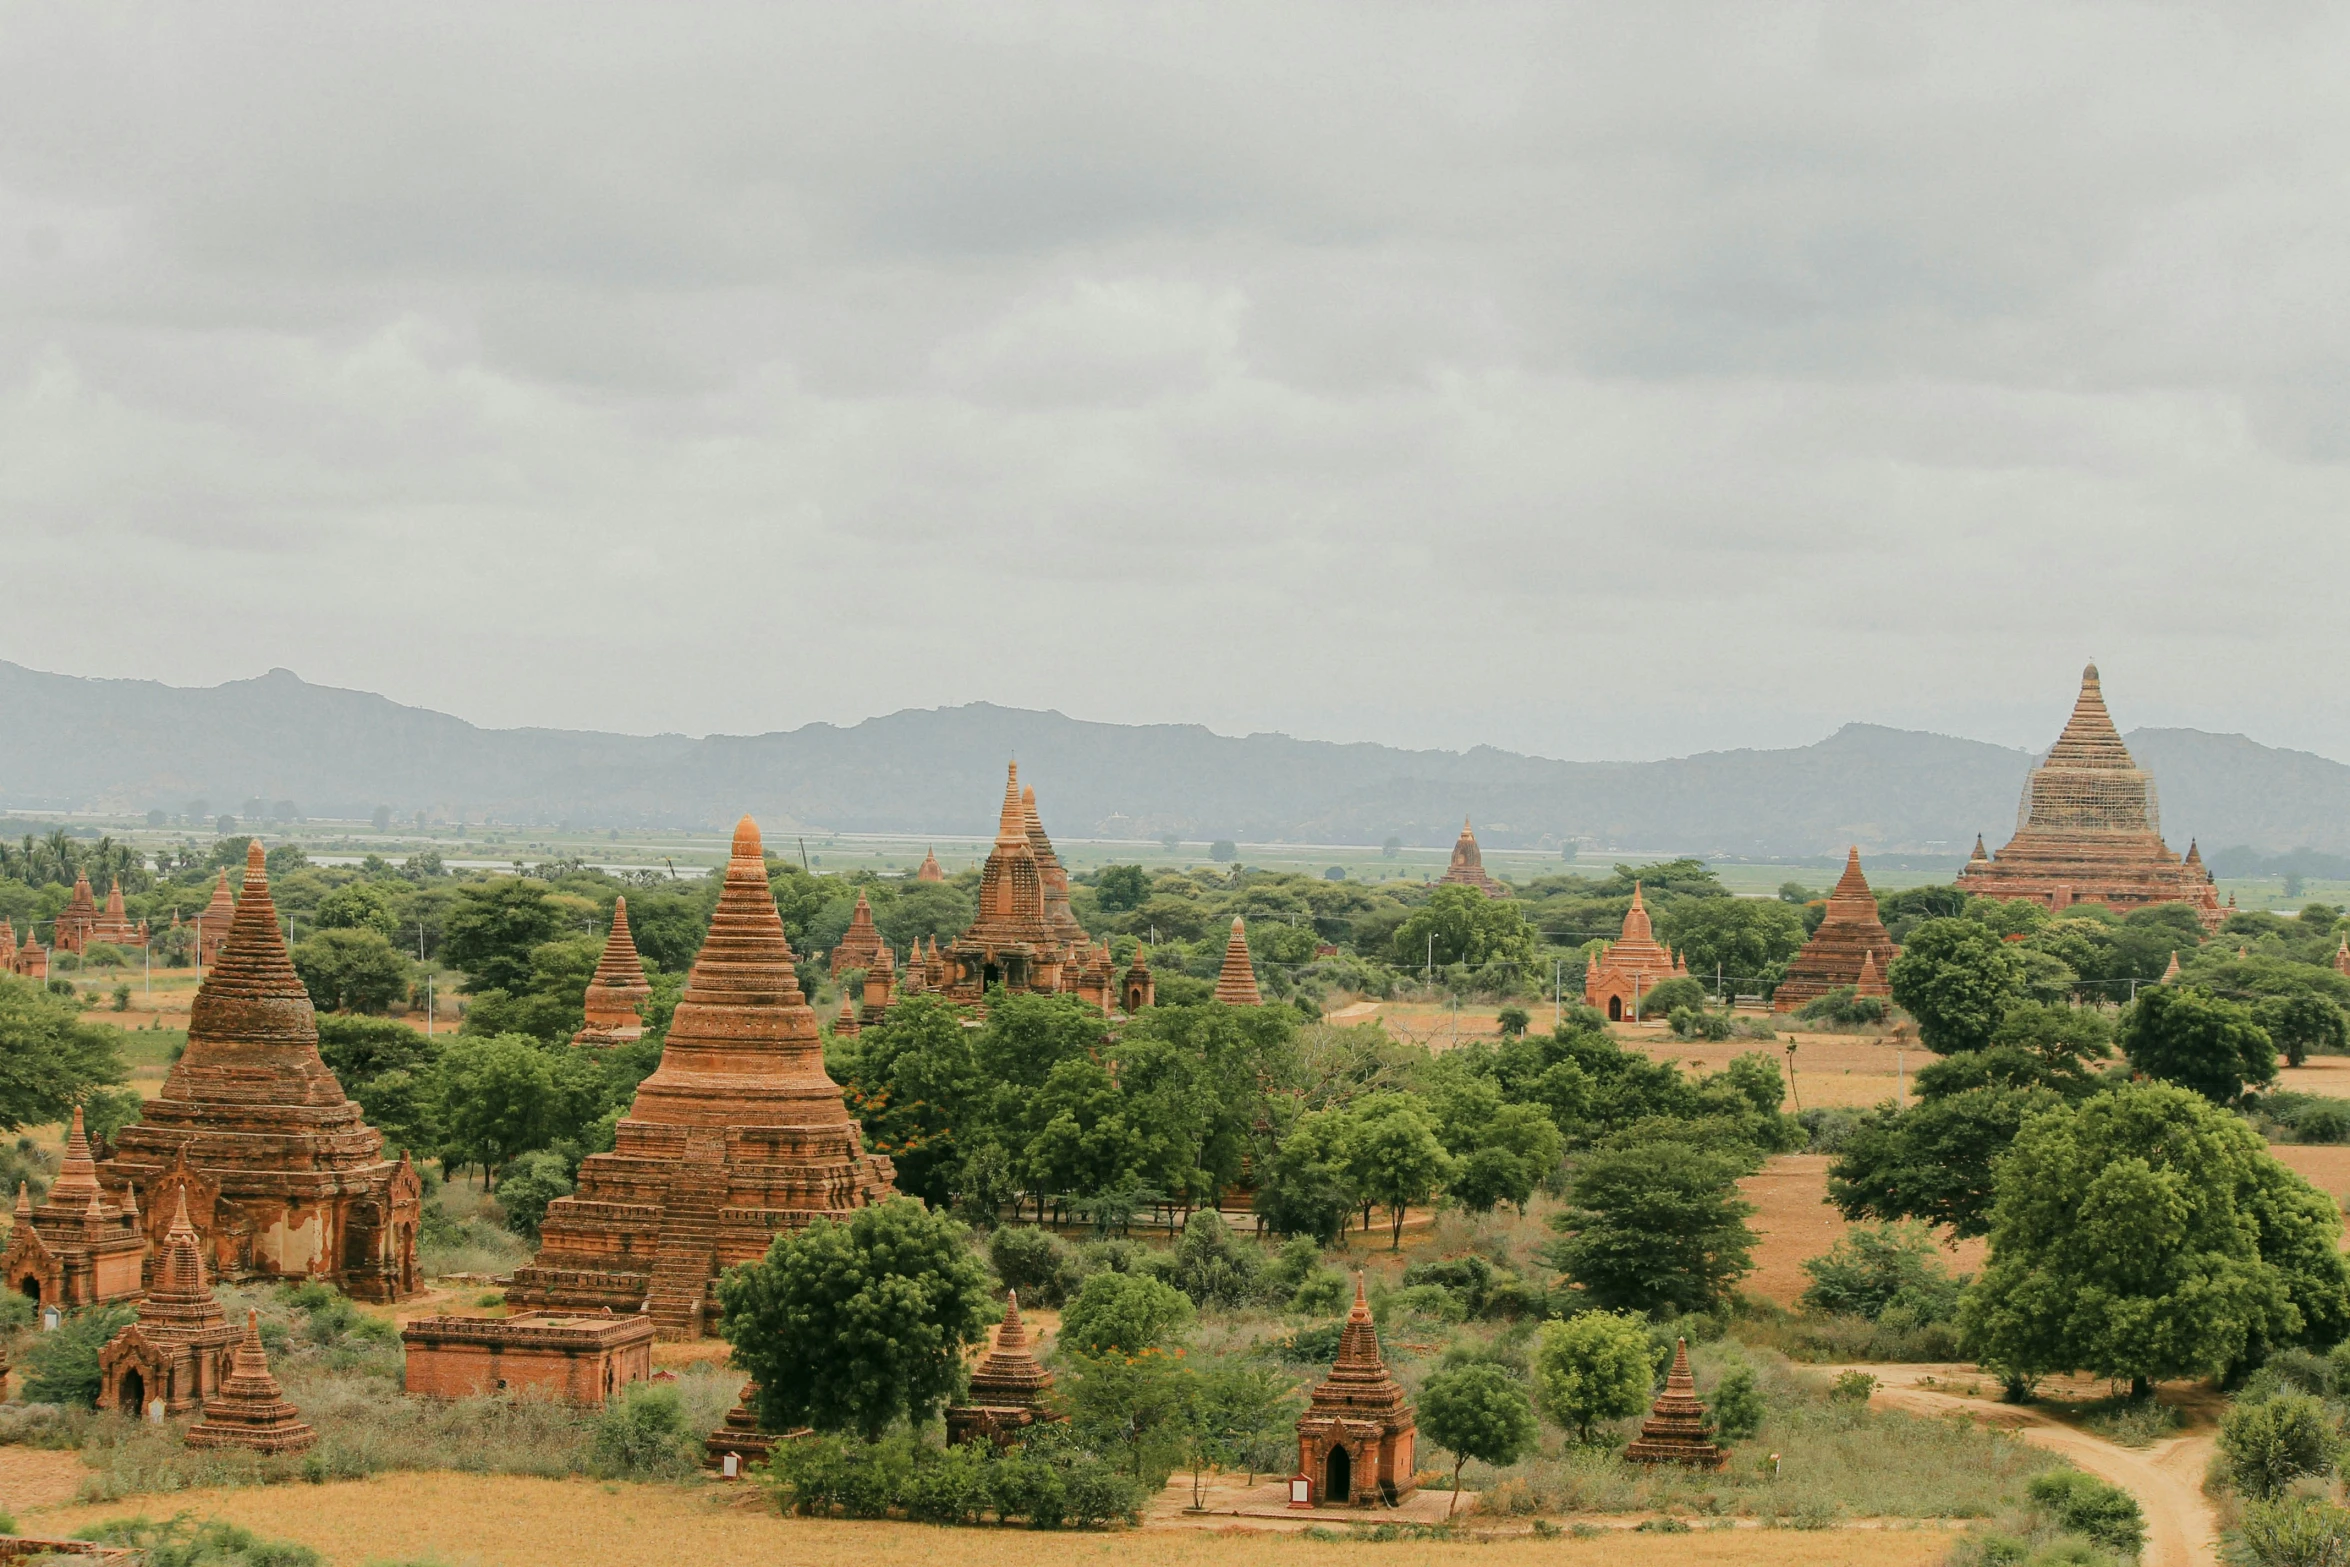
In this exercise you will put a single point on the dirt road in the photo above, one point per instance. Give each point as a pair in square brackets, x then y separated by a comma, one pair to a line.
[2166, 1478]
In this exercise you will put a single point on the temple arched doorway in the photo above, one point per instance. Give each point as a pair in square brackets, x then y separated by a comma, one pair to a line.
[130, 1396]
[30, 1287]
[1615, 1009]
[1338, 1476]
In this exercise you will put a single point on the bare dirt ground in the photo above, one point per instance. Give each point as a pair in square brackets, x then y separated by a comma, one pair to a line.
[38, 1477]
[1795, 1221]
[2167, 1478]
[507, 1521]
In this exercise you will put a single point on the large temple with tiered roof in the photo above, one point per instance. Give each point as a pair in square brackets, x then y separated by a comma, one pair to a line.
[2089, 830]
[1628, 968]
[736, 1136]
[1851, 946]
[282, 1175]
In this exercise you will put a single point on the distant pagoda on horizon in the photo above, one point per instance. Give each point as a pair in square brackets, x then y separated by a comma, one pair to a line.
[1468, 865]
[2089, 830]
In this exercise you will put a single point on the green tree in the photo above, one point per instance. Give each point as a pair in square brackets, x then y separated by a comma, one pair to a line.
[1476, 1412]
[851, 1326]
[1121, 888]
[351, 970]
[1466, 927]
[495, 1099]
[1242, 1418]
[2188, 1036]
[1594, 1366]
[1746, 940]
[2300, 1022]
[531, 1182]
[2270, 1444]
[49, 1058]
[1876, 1267]
[1957, 978]
[361, 905]
[1655, 1224]
[1124, 1314]
[2127, 1241]
[1738, 1404]
[1393, 1157]
[1142, 1404]
[62, 1367]
[1307, 1186]
[492, 928]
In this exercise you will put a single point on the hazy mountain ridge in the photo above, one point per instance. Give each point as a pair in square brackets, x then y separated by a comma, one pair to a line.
[74, 743]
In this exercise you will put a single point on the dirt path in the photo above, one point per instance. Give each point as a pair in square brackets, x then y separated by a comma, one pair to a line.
[2166, 1478]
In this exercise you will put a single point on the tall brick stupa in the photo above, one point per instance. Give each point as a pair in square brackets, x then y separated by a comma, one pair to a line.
[2089, 829]
[737, 1135]
[282, 1174]
[1850, 939]
[617, 990]
[1468, 865]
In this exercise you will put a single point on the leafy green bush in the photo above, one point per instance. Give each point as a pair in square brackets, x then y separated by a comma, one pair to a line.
[1877, 1268]
[1852, 1387]
[2087, 1505]
[1036, 1262]
[1044, 1483]
[1700, 1023]
[62, 1367]
[527, 1184]
[1842, 1007]
[643, 1432]
[2293, 1531]
[1672, 993]
[1215, 1267]
[1738, 1404]
[179, 1541]
[2270, 1444]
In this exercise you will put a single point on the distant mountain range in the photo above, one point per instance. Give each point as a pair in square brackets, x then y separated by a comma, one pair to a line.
[68, 743]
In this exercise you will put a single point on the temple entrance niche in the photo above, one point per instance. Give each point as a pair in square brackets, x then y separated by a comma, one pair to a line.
[1615, 1009]
[134, 1395]
[1338, 1482]
[30, 1287]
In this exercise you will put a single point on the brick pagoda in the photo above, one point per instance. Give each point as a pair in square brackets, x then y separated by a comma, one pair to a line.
[1007, 1387]
[1630, 967]
[1468, 865]
[736, 1136]
[1356, 1440]
[180, 1349]
[738, 1442]
[1868, 982]
[1236, 983]
[1017, 941]
[1676, 1430]
[881, 978]
[114, 926]
[7, 946]
[250, 1410]
[32, 959]
[212, 926]
[1850, 938]
[78, 1248]
[862, 944]
[1057, 912]
[582, 1358]
[70, 931]
[930, 870]
[1136, 988]
[283, 1176]
[617, 989]
[2089, 830]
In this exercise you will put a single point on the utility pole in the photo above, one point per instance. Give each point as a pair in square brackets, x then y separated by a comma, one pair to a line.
[1558, 993]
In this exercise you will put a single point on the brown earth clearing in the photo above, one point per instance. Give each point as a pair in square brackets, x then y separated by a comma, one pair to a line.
[1795, 1220]
[499, 1521]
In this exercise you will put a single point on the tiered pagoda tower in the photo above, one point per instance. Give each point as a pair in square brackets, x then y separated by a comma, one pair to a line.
[930, 870]
[1468, 865]
[1136, 987]
[1676, 1430]
[1630, 967]
[862, 944]
[250, 1409]
[78, 1248]
[282, 1175]
[1007, 1386]
[1020, 939]
[2089, 829]
[180, 1348]
[1236, 983]
[1356, 1440]
[114, 925]
[736, 1136]
[1850, 939]
[617, 990]
[212, 926]
[70, 932]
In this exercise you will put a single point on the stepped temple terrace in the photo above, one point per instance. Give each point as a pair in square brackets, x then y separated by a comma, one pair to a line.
[737, 1135]
[180, 1349]
[282, 1175]
[1355, 1442]
[1007, 1386]
[617, 989]
[77, 1248]
[1850, 944]
[1676, 1430]
[2089, 830]
[1630, 967]
[1468, 865]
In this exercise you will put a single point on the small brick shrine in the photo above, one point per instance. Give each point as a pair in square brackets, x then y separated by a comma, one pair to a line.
[1356, 1442]
[582, 1358]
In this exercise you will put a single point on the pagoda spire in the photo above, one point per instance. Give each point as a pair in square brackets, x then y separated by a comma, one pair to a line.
[2090, 738]
[1236, 985]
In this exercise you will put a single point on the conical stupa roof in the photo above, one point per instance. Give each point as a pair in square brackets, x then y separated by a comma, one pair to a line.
[2089, 738]
[1008, 1374]
[252, 1035]
[250, 1410]
[1236, 986]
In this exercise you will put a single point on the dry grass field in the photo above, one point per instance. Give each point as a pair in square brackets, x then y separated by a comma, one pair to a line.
[488, 1521]
[1795, 1221]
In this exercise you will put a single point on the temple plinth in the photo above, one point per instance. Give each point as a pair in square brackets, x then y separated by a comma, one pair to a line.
[1468, 865]
[1676, 1430]
[282, 1174]
[618, 989]
[1631, 966]
[1236, 982]
[1007, 1386]
[2088, 830]
[1850, 939]
[250, 1410]
[737, 1135]
[1356, 1441]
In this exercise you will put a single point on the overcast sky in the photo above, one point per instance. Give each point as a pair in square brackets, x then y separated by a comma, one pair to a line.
[1607, 381]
